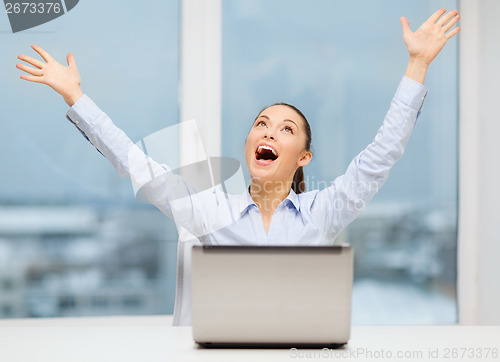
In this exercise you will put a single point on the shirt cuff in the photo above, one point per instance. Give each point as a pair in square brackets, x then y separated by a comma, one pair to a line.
[83, 114]
[84, 110]
[411, 93]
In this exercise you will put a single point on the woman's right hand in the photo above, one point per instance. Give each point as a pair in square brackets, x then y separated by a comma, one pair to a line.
[64, 80]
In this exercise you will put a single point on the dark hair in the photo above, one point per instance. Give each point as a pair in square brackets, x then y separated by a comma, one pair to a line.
[298, 184]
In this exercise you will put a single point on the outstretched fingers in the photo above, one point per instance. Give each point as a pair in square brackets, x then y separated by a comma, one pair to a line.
[46, 56]
[450, 23]
[444, 19]
[32, 78]
[32, 61]
[452, 33]
[30, 70]
[37, 75]
[434, 17]
[405, 25]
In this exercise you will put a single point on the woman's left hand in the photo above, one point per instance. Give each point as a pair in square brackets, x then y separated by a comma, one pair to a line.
[427, 41]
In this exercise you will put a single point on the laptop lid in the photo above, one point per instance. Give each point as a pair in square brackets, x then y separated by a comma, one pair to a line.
[271, 294]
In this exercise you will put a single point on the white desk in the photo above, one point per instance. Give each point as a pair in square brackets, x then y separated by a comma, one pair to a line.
[151, 339]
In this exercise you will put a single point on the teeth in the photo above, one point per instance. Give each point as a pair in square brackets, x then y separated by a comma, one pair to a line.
[267, 148]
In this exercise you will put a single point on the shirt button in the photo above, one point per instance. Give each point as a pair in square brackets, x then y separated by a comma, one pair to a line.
[77, 122]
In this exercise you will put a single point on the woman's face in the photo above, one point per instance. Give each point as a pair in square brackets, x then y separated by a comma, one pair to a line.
[275, 146]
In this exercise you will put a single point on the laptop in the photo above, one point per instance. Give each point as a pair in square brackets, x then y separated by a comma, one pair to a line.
[275, 296]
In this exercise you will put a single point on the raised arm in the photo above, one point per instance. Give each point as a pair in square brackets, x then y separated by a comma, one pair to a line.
[427, 41]
[172, 194]
[337, 205]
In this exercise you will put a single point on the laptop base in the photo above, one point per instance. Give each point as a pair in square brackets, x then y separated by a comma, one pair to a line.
[272, 345]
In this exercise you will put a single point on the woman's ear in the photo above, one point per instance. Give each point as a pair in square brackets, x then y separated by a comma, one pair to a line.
[305, 158]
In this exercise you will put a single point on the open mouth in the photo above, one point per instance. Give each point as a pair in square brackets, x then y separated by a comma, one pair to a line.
[266, 153]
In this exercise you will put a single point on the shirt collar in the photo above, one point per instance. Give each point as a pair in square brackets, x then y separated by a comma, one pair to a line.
[294, 199]
[245, 200]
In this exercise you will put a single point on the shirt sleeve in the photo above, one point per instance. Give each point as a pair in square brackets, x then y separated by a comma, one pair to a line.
[337, 205]
[156, 182]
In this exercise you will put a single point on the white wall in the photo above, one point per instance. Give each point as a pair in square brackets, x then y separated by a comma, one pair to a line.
[479, 220]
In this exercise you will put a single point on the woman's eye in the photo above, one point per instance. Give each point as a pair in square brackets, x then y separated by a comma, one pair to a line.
[261, 122]
[288, 129]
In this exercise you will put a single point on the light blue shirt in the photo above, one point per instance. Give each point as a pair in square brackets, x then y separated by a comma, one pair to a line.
[214, 217]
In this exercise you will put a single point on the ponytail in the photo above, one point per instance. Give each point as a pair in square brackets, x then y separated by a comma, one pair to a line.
[298, 184]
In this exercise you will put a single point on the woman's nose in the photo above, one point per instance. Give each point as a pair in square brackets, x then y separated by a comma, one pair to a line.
[269, 133]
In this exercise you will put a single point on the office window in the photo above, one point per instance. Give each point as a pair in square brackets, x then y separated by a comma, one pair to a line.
[73, 239]
[340, 63]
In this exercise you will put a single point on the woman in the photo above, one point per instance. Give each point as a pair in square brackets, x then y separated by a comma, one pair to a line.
[275, 210]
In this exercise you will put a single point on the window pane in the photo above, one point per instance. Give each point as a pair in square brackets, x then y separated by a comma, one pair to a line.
[73, 239]
[340, 63]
